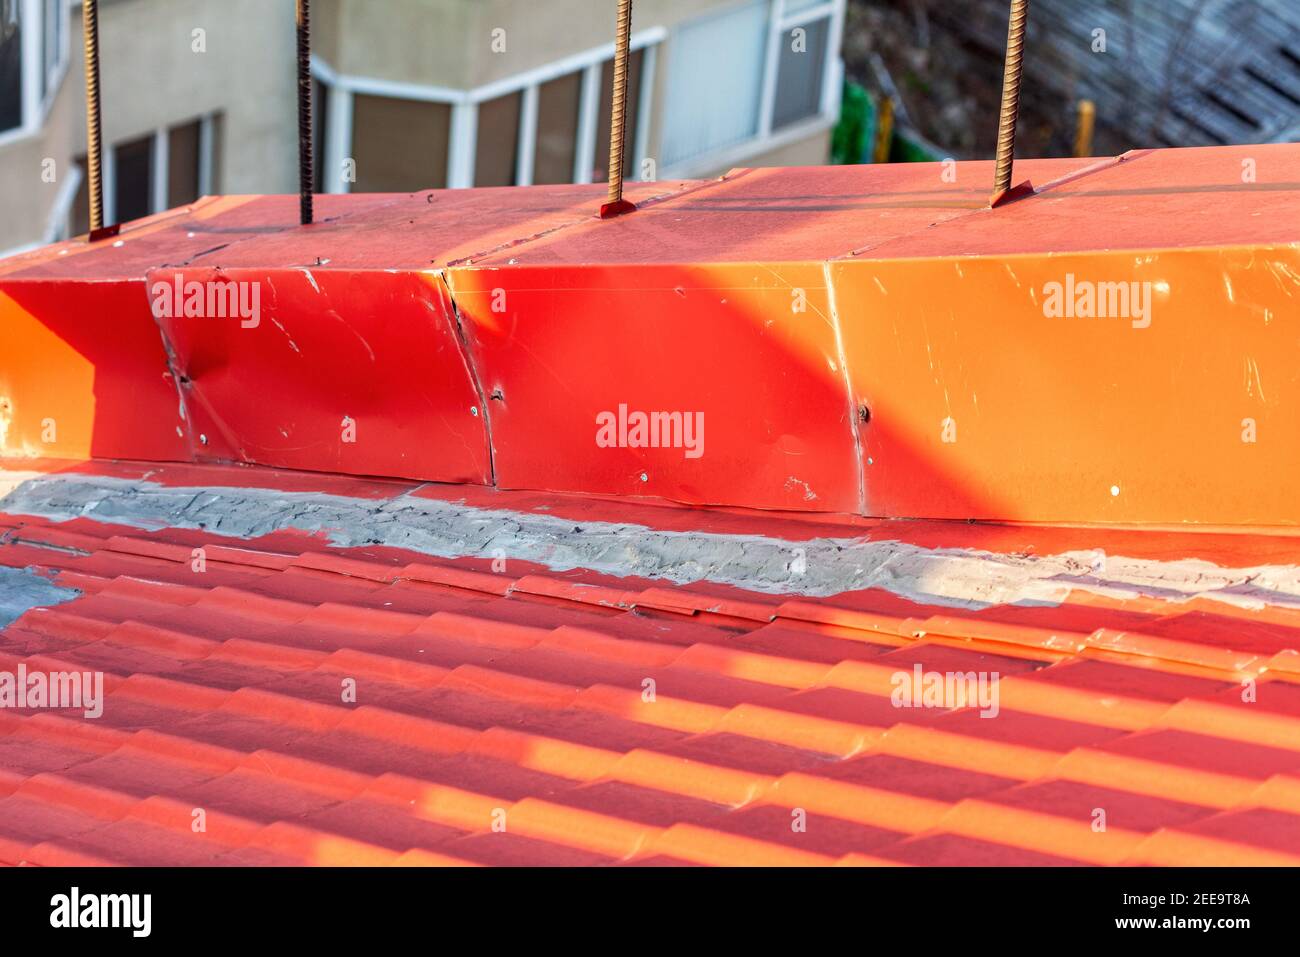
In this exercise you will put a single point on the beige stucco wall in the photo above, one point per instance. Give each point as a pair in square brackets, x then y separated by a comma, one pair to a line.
[150, 78]
[26, 200]
[356, 37]
[814, 150]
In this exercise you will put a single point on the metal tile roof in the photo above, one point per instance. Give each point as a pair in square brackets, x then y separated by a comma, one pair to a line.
[501, 717]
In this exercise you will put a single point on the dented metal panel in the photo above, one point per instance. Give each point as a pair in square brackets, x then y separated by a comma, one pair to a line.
[1116, 347]
[359, 372]
[704, 384]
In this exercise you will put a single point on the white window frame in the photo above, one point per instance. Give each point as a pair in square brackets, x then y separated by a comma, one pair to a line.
[159, 158]
[463, 141]
[36, 108]
[62, 59]
[780, 23]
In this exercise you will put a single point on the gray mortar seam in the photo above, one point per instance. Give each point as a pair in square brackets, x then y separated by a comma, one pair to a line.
[947, 577]
[25, 589]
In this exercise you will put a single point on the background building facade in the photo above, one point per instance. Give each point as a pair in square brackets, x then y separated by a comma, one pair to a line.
[199, 97]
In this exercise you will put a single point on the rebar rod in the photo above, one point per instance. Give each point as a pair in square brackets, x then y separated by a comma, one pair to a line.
[1010, 96]
[615, 203]
[94, 124]
[306, 166]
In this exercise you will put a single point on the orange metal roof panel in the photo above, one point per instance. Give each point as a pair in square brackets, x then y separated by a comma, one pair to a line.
[1147, 199]
[783, 214]
[897, 353]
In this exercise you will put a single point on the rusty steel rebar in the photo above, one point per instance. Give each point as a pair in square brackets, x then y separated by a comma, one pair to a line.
[306, 165]
[615, 203]
[1085, 123]
[884, 131]
[94, 124]
[1010, 96]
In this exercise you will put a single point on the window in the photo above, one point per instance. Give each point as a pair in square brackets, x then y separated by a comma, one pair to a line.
[635, 62]
[498, 141]
[399, 146]
[741, 76]
[150, 174]
[183, 168]
[79, 215]
[33, 58]
[53, 25]
[319, 117]
[11, 65]
[715, 77]
[801, 66]
[132, 181]
[559, 103]
[549, 125]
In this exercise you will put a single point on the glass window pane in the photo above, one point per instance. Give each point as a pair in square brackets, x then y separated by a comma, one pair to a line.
[799, 76]
[80, 214]
[215, 151]
[400, 146]
[50, 49]
[715, 74]
[558, 103]
[600, 169]
[319, 116]
[133, 179]
[498, 141]
[11, 65]
[182, 164]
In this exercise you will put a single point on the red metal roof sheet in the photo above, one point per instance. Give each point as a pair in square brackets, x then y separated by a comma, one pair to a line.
[501, 717]
[1113, 348]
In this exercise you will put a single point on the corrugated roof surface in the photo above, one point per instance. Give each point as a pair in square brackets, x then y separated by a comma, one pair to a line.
[502, 718]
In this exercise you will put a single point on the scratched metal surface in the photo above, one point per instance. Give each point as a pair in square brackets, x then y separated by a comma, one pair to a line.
[865, 340]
